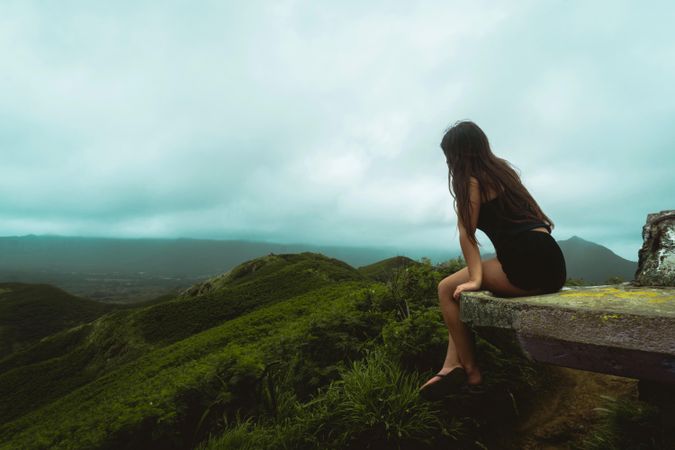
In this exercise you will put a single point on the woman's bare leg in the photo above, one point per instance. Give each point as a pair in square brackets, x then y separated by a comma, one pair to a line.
[460, 346]
[450, 311]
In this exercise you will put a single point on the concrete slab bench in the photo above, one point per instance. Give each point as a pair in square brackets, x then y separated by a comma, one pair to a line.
[623, 330]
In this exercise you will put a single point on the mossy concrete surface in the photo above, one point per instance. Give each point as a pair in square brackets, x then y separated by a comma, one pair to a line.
[623, 329]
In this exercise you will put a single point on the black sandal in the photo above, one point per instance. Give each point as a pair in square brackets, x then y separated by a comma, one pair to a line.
[448, 384]
[472, 389]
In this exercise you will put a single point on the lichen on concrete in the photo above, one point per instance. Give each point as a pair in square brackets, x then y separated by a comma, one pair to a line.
[599, 328]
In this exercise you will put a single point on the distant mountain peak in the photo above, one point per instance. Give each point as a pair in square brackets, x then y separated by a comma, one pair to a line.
[576, 240]
[594, 262]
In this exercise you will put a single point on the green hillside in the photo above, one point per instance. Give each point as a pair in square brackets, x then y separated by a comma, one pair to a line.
[74, 357]
[290, 327]
[29, 312]
[157, 399]
[283, 351]
[249, 285]
[384, 270]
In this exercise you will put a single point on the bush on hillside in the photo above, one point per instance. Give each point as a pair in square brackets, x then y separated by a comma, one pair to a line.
[419, 341]
[415, 287]
[451, 266]
[629, 424]
[614, 280]
[374, 404]
[314, 354]
[576, 282]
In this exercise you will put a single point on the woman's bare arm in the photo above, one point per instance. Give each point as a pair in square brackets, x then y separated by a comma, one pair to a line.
[470, 251]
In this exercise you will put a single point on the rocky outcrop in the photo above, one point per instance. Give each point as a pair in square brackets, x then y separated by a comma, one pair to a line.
[656, 264]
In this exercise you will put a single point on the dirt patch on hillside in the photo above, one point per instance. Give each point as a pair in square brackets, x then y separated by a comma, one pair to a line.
[563, 414]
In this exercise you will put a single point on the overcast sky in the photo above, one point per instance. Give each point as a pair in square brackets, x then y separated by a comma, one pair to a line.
[320, 121]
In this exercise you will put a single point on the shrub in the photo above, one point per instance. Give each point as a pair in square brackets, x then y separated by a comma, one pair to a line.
[614, 280]
[451, 266]
[377, 298]
[576, 282]
[415, 287]
[316, 351]
[628, 424]
[375, 404]
[418, 342]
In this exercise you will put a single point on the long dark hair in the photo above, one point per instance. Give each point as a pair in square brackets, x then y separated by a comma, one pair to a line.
[467, 152]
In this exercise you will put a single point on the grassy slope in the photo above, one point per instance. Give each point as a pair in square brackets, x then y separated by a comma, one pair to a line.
[250, 285]
[29, 312]
[159, 390]
[63, 362]
[70, 359]
[74, 357]
[383, 270]
[156, 398]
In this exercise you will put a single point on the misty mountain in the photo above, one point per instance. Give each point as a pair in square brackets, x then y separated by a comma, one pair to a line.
[593, 262]
[170, 257]
[115, 270]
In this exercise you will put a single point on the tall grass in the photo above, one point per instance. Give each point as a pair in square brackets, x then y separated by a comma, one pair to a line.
[374, 405]
[627, 423]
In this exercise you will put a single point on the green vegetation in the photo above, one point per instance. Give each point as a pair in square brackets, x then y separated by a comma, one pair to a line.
[29, 312]
[166, 390]
[250, 285]
[576, 282]
[629, 424]
[614, 280]
[584, 282]
[374, 404]
[74, 357]
[383, 270]
[284, 351]
[65, 361]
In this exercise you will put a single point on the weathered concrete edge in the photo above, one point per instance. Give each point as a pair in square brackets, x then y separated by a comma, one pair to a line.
[598, 358]
[629, 331]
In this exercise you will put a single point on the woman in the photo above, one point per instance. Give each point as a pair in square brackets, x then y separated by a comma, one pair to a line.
[489, 195]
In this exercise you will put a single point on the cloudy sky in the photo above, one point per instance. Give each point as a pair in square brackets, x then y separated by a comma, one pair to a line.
[320, 121]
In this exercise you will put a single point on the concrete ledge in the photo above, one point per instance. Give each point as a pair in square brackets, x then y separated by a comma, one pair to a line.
[623, 330]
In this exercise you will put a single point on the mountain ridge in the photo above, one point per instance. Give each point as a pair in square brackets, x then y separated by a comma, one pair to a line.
[594, 263]
[124, 271]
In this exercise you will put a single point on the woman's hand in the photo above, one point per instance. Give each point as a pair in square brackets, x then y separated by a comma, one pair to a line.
[468, 286]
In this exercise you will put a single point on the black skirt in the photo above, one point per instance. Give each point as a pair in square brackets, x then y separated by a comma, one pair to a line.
[533, 260]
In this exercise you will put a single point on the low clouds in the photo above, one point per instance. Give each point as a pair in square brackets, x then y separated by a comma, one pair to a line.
[305, 122]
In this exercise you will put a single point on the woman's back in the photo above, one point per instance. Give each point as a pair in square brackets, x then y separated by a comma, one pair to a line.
[499, 222]
[528, 255]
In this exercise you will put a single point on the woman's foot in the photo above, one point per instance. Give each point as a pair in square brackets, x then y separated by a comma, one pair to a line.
[436, 378]
[473, 376]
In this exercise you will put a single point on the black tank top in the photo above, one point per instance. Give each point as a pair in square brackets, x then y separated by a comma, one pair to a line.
[497, 226]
